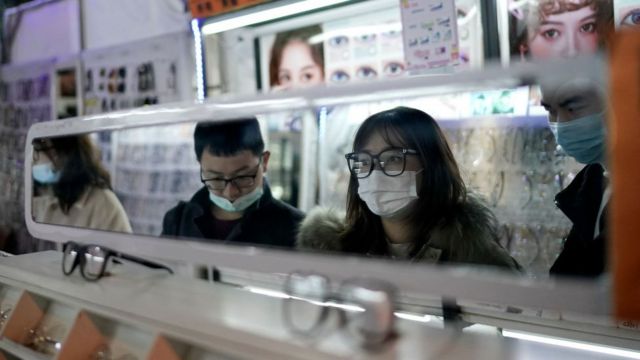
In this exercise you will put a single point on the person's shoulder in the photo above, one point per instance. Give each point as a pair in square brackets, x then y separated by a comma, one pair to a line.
[286, 209]
[321, 229]
[100, 196]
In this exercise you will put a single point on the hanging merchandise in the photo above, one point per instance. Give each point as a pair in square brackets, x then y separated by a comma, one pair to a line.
[134, 75]
[430, 32]
[470, 33]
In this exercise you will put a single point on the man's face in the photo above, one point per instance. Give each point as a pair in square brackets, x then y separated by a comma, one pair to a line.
[244, 163]
[572, 100]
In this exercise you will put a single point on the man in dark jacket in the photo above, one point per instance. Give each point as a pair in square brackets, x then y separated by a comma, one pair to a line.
[576, 118]
[235, 204]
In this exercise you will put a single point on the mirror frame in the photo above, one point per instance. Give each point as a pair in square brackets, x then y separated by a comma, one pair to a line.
[580, 296]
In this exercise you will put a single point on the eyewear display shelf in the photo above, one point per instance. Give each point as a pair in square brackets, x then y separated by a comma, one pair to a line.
[137, 313]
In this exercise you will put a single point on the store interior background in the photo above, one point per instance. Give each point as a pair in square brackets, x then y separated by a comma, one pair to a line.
[103, 56]
[64, 59]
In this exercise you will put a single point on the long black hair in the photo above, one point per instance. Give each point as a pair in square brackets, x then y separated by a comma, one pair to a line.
[78, 161]
[441, 190]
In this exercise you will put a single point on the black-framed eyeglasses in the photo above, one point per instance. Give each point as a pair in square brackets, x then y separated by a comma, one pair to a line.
[391, 161]
[241, 182]
[93, 260]
[366, 307]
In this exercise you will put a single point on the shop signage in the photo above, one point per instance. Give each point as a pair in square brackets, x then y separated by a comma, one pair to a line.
[207, 8]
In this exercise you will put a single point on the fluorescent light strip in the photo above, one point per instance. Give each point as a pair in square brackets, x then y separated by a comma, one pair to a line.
[197, 43]
[215, 27]
[572, 344]
[413, 317]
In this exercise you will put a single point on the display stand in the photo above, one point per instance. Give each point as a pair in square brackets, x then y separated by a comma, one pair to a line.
[137, 313]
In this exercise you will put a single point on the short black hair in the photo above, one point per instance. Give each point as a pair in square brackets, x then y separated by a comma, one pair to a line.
[229, 137]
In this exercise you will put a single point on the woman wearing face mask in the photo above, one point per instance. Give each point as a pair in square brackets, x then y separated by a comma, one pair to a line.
[406, 199]
[71, 187]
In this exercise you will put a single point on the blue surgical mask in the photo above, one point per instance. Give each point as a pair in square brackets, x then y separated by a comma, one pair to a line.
[240, 204]
[45, 174]
[582, 138]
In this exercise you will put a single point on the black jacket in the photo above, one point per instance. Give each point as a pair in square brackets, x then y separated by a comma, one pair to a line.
[583, 255]
[266, 222]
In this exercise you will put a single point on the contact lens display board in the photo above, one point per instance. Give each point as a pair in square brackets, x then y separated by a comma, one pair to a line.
[430, 33]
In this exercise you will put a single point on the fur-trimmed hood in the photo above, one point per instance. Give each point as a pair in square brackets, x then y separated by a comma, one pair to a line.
[471, 238]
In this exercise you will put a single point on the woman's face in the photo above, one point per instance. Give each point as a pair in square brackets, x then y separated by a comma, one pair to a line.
[297, 68]
[565, 35]
[45, 154]
[376, 144]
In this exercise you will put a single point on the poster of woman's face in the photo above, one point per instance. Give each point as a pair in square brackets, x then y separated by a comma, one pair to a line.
[296, 59]
[627, 14]
[547, 29]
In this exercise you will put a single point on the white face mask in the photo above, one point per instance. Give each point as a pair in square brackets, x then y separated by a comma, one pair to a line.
[388, 196]
[240, 204]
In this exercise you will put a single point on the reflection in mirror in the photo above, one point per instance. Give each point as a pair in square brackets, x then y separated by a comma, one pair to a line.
[470, 176]
[72, 187]
[235, 203]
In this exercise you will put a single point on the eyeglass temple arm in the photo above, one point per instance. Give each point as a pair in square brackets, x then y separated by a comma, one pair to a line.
[147, 263]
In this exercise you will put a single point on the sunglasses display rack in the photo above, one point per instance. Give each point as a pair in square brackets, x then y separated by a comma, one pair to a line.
[57, 317]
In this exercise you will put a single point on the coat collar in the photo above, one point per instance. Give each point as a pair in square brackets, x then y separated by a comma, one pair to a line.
[580, 201]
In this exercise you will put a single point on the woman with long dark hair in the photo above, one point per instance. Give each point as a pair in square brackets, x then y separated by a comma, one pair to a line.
[406, 199]
[72, 187]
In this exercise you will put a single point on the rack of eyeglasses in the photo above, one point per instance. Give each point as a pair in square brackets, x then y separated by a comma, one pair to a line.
[24, 100]
[45, 314]
[126, 315]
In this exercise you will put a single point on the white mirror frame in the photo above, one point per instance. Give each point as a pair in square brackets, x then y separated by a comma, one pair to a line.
[587, 297]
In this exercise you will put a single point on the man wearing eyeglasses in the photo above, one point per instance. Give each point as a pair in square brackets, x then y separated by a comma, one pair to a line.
[235, 203]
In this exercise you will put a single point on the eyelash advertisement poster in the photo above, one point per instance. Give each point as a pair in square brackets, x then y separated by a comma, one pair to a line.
[626, 13]
[430, 34]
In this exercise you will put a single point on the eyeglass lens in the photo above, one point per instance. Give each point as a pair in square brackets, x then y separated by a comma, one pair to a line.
[391, 162]
[91, 259]
[241, 182]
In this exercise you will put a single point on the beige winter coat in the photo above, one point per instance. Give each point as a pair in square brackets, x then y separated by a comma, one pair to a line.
[96, 209]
